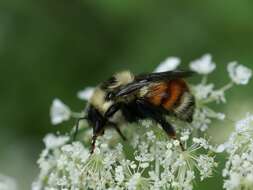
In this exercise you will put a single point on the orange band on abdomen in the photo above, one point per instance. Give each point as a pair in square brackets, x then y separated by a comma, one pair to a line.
[158, 93]
[176, 88]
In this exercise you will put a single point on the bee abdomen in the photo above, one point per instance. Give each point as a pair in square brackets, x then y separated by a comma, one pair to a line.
[186, 107]
[158, 93]
[167, 94]
[175, 92]
[176, 89]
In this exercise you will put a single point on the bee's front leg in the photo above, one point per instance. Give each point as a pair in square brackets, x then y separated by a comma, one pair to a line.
[93, 144]
[77, 127]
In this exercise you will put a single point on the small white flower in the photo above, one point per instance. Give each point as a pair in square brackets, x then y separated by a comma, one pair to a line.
[238, 169]
[86, 93]
[144, 165]
[202, 92]
[137, 182]
[169, 64]
[119, 174]
[185, 135]
[221, 116]
[218, 96]
[51, 141]
[201, 142]
[221, 148]
[205, 165]
[59, 112]
[146, 123]
[203, 65]
[176, 142]
[133, 166]
[233, 183]
[7, 183]
[239, 74]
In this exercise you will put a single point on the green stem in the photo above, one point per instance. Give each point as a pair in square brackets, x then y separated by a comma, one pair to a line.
[157, 163]
[224, 88]
[227, 87]
[77, 114]
[204, 80]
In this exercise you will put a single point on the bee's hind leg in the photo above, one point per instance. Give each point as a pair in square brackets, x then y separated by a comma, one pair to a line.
[169, 129]
[109, 113]
[116, 127]
[149, 111]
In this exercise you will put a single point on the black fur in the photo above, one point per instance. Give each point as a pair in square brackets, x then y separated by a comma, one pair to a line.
[108, 82]
[99, 123]
[141, 109]
[152, 112]
[95, 119]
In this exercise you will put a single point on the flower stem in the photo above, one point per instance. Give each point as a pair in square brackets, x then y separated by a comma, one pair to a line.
[227, 87]
[76, 114]
[157, 162]
[204, 80]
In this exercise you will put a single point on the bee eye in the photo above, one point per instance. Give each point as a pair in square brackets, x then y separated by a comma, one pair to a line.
[109, 96]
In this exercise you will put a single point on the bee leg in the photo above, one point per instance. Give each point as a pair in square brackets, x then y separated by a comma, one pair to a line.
[109, 113]
[120, 133]
[169, 129]
[112, 110]
[116, 127]
[149, 111]
[77, 127]
[98, 130]
[93, 144]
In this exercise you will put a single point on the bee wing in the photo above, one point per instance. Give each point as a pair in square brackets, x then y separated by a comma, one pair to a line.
[146, 79]
[131, 87]
[163, 76]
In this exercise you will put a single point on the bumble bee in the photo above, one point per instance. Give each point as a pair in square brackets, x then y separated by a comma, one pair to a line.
[128, 98]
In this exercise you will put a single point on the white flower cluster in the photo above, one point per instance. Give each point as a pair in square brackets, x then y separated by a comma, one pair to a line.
[157, 164]
[151, 160]
[238, 171]
[206, 93]
[7, 183]
[51, 141]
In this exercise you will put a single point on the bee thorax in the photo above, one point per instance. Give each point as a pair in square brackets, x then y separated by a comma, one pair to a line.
[122, 78]
[98, 100]
[117, 117]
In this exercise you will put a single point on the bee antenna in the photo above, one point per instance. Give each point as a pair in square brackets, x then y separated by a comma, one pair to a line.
[77, 126]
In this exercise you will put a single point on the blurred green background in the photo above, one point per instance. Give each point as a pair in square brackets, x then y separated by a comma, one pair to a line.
[53, 48]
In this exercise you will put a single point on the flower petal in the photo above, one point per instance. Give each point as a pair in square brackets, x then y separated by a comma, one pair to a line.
[86, 93]
[59, 112]
[203, 65]
[51, 141]
[169, 64]
[239, 74]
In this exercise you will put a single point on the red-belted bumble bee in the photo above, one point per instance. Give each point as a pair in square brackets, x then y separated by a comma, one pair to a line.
[128, 98]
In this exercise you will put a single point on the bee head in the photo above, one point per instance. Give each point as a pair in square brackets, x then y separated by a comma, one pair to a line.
[95, 119]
